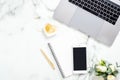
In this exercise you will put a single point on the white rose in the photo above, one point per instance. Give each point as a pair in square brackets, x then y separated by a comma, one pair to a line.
[110, 77]
[101, 68]
[112, 68]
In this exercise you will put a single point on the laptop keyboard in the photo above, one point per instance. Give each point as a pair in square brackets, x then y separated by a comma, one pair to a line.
[104, 9]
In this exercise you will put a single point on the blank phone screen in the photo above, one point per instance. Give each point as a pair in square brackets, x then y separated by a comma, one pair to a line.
[79, 58]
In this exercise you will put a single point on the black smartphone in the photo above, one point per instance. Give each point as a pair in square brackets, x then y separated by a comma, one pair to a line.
[79, 59]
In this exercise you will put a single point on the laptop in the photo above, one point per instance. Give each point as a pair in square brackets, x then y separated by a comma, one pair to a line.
[96, 18]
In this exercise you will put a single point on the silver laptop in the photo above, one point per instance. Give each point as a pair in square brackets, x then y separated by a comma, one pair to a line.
[96, 18]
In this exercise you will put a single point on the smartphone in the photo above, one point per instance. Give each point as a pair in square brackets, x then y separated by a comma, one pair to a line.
[80, 59]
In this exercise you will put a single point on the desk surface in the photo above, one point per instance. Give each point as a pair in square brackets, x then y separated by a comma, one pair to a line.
[21, 38]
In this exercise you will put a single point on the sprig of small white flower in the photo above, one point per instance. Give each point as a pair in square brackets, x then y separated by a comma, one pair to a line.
[106, 70]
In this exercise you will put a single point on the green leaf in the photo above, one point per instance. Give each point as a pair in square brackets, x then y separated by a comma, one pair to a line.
[103, 63]
[117, 64]
[99, 74]
[104, 75]
[109, 70]
[115, 73]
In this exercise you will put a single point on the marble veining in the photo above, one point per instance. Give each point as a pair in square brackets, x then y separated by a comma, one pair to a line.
[21, 38]
[9, 6]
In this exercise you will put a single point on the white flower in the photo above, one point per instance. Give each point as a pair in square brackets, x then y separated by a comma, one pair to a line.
[110, 77]
[101, 68]
[112, 68]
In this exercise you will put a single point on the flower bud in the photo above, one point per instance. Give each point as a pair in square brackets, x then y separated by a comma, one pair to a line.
[110, 77]
[112, 68]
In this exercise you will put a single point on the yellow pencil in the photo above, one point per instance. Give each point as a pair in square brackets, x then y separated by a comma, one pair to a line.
[48, 60]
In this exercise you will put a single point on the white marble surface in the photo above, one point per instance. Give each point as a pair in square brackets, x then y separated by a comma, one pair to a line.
[21, 38]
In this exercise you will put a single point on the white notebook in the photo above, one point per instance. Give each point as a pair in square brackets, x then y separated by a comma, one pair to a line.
[62, 53]
[62, 45]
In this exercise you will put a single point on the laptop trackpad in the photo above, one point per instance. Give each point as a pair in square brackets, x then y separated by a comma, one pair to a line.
[86, 22]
